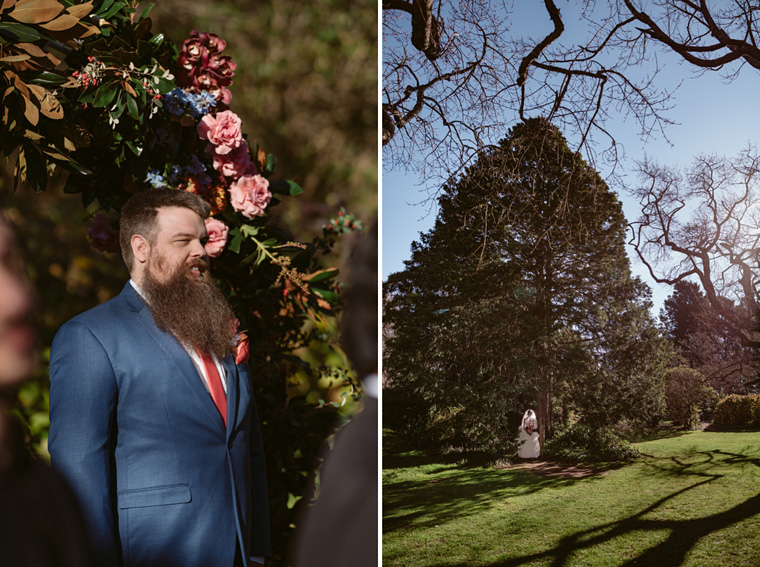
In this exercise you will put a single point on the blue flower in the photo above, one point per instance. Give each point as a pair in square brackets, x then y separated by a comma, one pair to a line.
[175, 174]
[176, 102]
[195, 167]
[202, 102]
[155, 179]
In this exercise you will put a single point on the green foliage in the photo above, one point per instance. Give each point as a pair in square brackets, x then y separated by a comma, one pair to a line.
[687, 392]
[584, 443]
[521, 290]
[738, 411]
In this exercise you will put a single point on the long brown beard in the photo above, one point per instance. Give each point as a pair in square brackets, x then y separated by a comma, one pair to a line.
[195, 312]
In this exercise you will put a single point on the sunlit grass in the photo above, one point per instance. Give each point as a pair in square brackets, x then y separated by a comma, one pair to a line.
[694, 499]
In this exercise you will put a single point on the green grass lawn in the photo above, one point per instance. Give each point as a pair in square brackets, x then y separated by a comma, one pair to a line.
[694, 499]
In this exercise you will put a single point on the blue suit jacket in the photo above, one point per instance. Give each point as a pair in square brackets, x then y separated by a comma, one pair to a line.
[136, 433]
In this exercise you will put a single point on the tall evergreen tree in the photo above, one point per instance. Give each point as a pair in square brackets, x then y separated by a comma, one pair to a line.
[520, 294]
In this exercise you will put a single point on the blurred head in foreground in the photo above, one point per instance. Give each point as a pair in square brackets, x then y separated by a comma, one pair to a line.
[17, 335]
[360, 321]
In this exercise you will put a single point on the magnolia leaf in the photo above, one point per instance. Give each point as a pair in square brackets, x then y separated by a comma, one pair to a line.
[51, 107]
[15, 58]
[37, 91]
[128, 88]
[20, 85]
[33, 135]
[22, 32]
[19, 171]
[68, 144]
[32, 49]
[8, 91]
[7, 4]
[31, 112]
[61, 23]
[36, 11]
[56, 155]
[79, 11]
[89, 30]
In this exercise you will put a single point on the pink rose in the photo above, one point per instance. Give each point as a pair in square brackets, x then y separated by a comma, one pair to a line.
[236, 163]
[217, 237]
[102, 236]
[222, 131]
[250, 195]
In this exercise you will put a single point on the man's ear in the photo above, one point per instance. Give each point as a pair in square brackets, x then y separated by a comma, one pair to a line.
[140, 248]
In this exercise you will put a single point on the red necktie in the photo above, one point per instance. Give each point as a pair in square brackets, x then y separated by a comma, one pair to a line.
[215, 385]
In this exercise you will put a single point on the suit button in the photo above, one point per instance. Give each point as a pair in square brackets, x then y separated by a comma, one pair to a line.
[229, 444]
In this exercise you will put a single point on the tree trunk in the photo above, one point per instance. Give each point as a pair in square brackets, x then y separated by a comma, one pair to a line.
[544, 411]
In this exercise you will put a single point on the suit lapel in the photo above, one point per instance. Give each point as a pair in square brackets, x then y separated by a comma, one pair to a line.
[175, 353]
[236, 395]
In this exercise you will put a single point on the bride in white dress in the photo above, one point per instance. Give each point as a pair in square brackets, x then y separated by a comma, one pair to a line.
[529, 447]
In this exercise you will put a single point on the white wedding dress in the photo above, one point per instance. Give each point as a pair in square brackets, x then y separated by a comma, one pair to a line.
[529, 446]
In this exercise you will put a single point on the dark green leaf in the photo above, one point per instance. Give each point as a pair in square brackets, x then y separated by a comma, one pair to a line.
[137, 150]
[236, 240]
[104, 94]
[121, 104]
[146, 11]
[285, 187]
[111, 11]
[20, 31]
[330, 296]
[132, 108]
[157, 39]
[48, 78]
[270, 165]
[324, 275]
[104, 6]
[164, 85]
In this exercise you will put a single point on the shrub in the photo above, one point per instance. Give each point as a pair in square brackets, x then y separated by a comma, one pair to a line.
[738, 411]
[686, 392]
[582, 443]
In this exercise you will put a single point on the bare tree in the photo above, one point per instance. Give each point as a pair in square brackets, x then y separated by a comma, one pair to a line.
[447, 97]
[705, 225]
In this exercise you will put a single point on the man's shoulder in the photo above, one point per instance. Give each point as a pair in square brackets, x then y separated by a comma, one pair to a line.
[101, 316]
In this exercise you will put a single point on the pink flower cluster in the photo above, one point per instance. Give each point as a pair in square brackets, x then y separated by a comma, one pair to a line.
[250, 195]
[203, 68]
[217, 237]
[226, 144]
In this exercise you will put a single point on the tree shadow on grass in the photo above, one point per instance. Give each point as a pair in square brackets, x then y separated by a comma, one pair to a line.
[443, 492]
[683, 534]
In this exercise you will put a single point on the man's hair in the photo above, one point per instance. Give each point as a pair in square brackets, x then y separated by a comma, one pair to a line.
[139, 213]
[359, 336]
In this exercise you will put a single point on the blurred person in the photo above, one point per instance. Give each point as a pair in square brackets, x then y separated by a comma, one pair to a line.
[341, 529]
[40, 522]
[152, 417]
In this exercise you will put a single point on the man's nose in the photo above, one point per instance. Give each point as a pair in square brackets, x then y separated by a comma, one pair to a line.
[198, 249]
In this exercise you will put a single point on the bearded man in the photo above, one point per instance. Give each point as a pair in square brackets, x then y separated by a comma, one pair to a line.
[152, 420]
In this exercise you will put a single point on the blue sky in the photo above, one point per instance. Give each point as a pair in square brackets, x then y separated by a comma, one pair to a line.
[711, 117]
